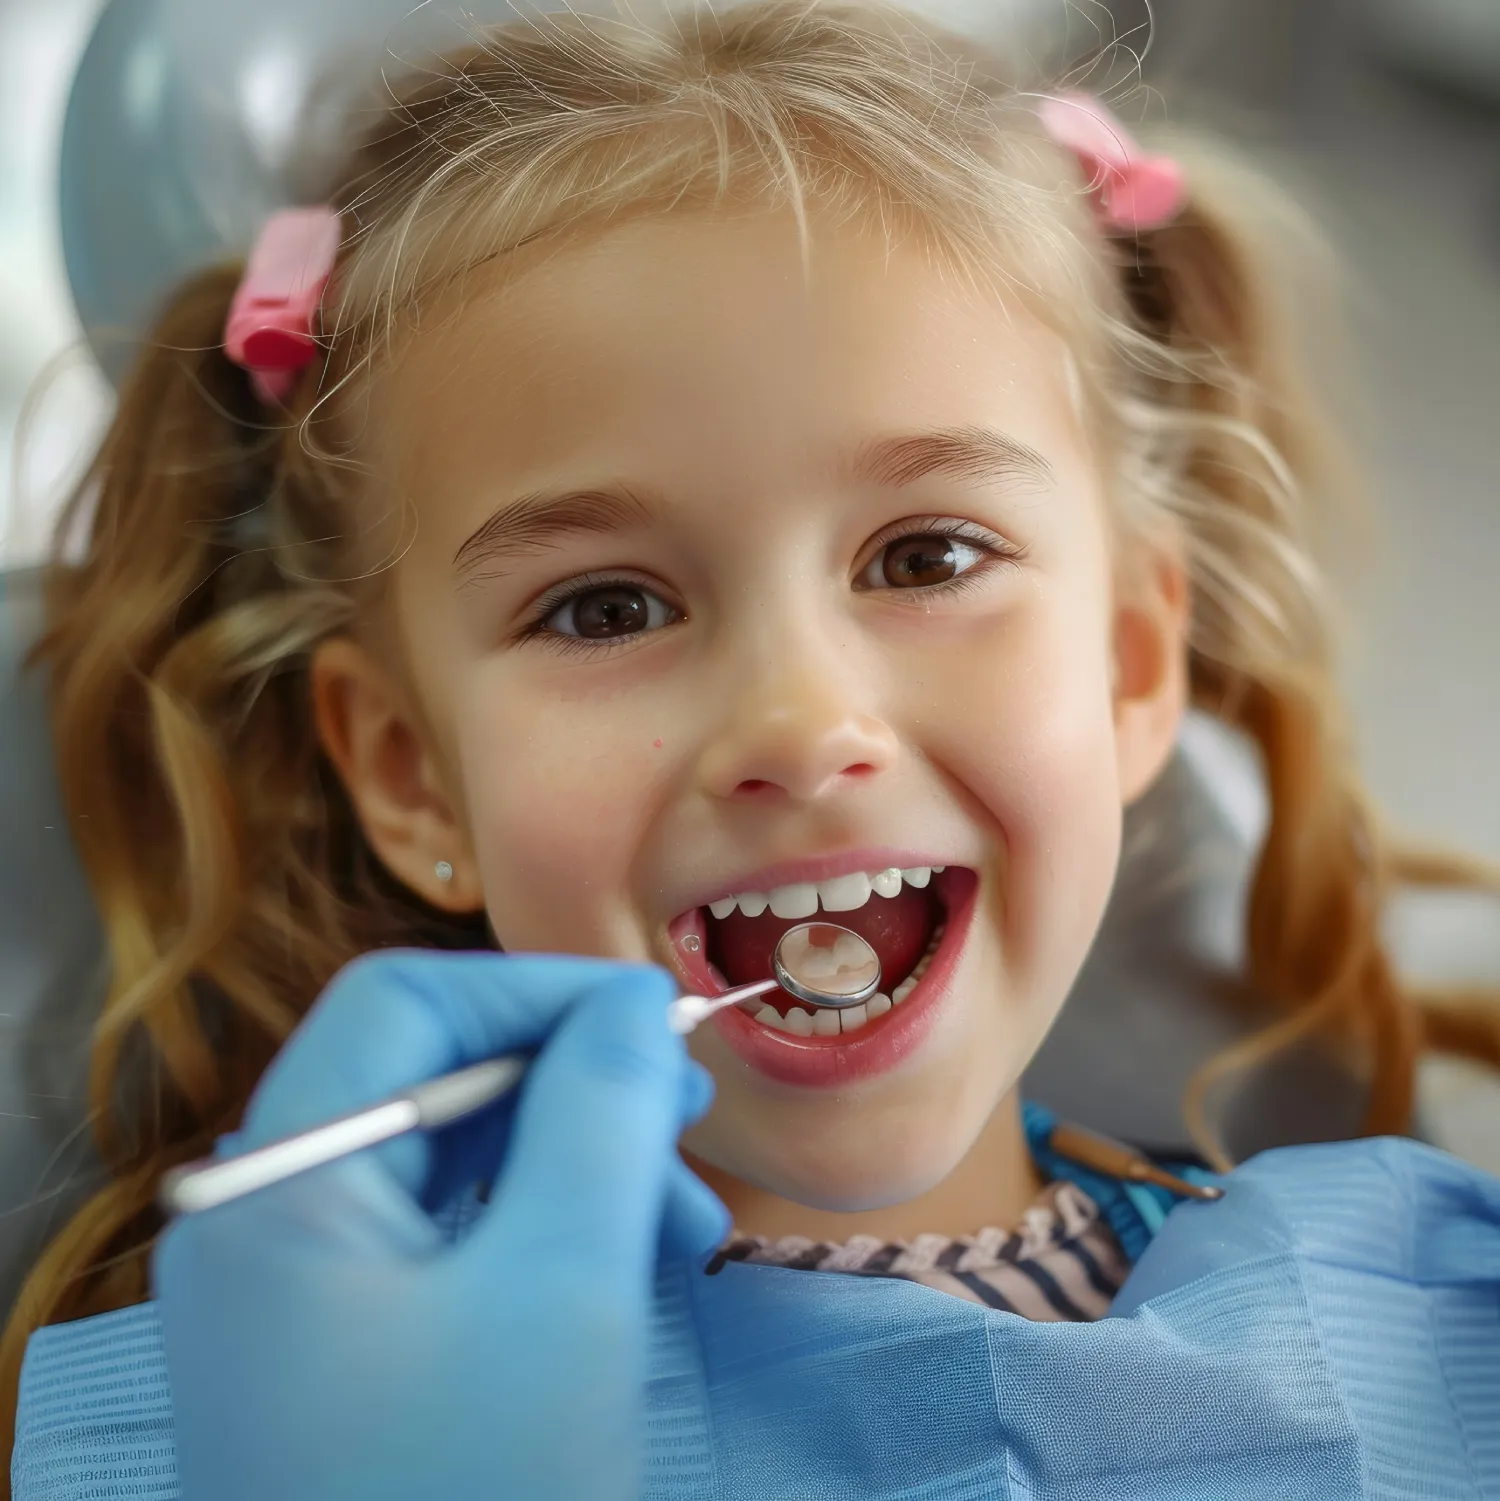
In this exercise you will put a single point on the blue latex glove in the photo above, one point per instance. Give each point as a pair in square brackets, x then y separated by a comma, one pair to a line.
[326, 1341]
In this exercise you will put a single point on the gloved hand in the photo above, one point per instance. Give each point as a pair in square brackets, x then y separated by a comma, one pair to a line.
[323, 1339]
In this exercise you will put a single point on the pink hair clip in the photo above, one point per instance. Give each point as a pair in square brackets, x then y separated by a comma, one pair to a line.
[269, 331]
[1134, 191]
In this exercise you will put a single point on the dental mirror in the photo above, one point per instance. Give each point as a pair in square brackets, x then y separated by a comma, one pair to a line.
[827, 965]
[818, 962]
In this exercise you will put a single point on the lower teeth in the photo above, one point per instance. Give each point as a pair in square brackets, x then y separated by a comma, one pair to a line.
[829, 1021]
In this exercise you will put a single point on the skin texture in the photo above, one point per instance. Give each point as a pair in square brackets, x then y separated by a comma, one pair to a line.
[786, 700]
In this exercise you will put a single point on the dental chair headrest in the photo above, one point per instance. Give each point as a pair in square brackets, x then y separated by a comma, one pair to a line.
[51, 965]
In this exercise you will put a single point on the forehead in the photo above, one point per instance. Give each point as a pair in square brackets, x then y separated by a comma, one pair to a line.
[671, 349]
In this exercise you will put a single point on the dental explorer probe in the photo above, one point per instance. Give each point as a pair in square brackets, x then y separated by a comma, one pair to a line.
[820, 963]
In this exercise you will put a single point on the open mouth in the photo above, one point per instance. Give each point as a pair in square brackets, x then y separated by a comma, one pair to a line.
[906, 914]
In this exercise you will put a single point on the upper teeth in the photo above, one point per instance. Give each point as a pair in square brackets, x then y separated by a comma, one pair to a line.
[840, 894]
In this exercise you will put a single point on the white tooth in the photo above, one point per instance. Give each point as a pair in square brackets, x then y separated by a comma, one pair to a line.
[878, 1005]
[768, 1016]
[800, 900]
[723, 907]
[887, 883]
[937, 870]
[752, 903]
[918, 876]
[798, 1021]
[826, 1022]
[904, 989]
[844, 893]
[852, 1018]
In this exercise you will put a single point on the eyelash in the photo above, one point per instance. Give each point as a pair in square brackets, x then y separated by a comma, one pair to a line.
[999, 553]
[575, 588]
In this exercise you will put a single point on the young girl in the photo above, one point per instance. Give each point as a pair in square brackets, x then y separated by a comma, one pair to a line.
[693, 476]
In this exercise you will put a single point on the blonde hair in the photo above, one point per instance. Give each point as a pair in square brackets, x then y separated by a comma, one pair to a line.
[224, 854]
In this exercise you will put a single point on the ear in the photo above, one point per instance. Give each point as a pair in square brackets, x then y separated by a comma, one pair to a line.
[381, 751]
[1151, 623]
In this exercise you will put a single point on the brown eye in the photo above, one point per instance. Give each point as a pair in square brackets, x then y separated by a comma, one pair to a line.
[922, 560]
[610, 612]
[914, 561]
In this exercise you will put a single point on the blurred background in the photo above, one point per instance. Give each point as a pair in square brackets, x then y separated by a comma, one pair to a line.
[1383, 115]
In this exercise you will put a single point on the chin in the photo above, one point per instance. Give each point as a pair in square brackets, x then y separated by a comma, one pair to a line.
[859, 1164]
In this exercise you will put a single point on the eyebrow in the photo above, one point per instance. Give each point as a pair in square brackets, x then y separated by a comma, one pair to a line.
[976, 453]
[533, 523]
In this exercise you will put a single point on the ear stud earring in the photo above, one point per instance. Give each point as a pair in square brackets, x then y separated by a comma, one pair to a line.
[443, 871]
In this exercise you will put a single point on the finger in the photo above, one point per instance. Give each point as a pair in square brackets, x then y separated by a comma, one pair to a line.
[470, 1151]
[593, 1143]
[694, 1220]
[467, 1154]
[697, 1093]
[394, 1019]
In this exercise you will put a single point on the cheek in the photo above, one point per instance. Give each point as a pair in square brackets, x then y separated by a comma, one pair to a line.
[1028, 734]
[558, 801]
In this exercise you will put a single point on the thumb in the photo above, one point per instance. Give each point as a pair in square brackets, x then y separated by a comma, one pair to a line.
[593, 1140]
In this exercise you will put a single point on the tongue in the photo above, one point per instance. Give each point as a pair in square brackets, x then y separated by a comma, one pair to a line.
[896, 927]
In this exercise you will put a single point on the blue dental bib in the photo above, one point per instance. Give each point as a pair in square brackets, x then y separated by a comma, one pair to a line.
[1330, 1330]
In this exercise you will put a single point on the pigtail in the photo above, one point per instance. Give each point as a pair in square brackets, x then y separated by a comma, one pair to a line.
[184, 455]
[1246, 460]
[223, 856]
[1457, 1019]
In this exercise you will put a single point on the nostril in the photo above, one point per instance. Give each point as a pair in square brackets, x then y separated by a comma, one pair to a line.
[759, 787]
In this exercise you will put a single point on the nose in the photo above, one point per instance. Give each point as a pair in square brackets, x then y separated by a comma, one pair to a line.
[799, 728]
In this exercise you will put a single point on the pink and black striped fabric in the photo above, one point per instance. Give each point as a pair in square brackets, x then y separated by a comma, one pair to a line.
[1061, 1264]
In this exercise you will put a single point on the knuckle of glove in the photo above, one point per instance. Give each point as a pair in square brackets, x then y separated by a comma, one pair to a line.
[630, 1064]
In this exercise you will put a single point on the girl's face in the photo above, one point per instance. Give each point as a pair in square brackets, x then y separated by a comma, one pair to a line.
[735, 581]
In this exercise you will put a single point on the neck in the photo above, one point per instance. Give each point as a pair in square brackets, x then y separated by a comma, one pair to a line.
[994, 1184]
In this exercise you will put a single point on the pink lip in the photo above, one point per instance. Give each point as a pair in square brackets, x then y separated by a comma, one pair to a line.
[821, 868]
[826, 1062]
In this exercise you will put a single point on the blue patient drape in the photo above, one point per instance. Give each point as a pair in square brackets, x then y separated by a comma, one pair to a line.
[1330, 1330]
